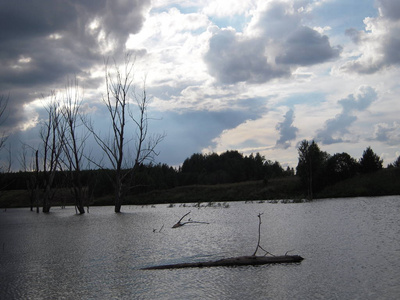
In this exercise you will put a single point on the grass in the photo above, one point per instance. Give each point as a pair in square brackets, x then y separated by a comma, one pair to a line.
[381, 183]
[283, 188]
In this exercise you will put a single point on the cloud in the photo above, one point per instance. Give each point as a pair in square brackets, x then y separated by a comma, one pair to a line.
[191, 131]
[390, 9]
[335, 129]
[287, 131]
[379, 42]
[44, 42]
[233, 59]
[387, 133]
[227, 8]
[272, 46]
[306, 46]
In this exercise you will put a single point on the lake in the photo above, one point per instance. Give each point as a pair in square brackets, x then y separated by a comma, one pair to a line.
[351, 250]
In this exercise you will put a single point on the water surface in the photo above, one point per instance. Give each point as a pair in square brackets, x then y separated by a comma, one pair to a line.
[351, 249]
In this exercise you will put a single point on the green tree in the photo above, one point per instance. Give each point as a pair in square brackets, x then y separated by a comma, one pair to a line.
[341, 166]
[310, 167]
[370, 162]
[395, 164]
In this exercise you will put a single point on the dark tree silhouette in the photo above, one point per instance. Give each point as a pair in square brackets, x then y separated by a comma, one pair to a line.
[74, 142]
[311, 166]
[395, 164]
[341, 166]
[228, 167]
[370, 162]
[122, 155]
[3, 117]
[52, 138]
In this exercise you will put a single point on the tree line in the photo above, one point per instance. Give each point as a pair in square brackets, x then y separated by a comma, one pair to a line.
[318, 169]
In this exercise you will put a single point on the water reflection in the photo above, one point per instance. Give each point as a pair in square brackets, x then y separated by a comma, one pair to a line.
[351, 249]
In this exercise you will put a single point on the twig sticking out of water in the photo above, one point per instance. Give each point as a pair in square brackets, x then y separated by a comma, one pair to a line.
[259, 238]
[180, 223]
[155, 230]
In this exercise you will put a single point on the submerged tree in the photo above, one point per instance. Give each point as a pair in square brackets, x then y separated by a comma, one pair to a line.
[52, 138]
[117, 145]
[74, 142]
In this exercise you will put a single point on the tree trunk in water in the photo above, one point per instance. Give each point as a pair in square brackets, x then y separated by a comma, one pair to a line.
[118, 196]
[80, 208]
[46, 200]
[46, 207]
[79, 199]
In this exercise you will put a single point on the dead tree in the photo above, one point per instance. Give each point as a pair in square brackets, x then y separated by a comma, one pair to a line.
[180, 223]
[52, 138]
[116, 146]
[3, 117]
[32, 182]
[3, 138]
[74, 142]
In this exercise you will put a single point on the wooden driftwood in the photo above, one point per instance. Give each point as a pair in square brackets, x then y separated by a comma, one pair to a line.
[234, 261]
[252, 260]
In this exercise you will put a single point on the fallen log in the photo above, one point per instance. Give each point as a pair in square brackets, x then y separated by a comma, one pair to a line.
[234, 261]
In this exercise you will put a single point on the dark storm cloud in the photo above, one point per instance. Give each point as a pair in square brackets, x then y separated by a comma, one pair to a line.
[306, 46]
[281, 44]
[287, 131]
[335, 128]
[44, 42]
[390, 9]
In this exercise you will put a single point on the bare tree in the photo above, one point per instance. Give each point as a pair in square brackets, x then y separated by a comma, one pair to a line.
[5, 166]
[3, 117]
[119, 93]
[52, 139]
[74, 142]
[29, 166]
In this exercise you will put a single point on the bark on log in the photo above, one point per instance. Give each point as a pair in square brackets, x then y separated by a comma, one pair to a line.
[234, 261]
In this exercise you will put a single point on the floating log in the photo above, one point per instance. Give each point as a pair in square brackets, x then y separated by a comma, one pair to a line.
[234, 261]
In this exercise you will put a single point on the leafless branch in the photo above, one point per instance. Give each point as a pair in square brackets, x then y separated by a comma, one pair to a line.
[3, 117]
[74, 140]
[180, 223]
[259, 238]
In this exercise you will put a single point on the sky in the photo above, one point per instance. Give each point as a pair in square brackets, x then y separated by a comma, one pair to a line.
[253, 76]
